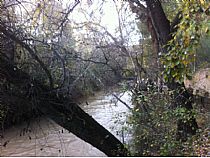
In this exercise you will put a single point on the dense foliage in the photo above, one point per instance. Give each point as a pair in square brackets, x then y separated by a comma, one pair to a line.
[194, 26]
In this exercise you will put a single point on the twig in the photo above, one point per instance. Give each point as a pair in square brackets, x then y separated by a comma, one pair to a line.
[122, 101]
[7, 32]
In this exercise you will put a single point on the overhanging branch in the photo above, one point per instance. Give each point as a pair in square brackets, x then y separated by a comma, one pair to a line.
[7, 32]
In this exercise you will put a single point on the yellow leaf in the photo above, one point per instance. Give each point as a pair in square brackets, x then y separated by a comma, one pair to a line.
[185, 62]
[202, 1]
[206, 30]
[187, 40]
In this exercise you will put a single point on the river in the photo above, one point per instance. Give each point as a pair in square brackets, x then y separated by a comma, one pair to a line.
[43, 137]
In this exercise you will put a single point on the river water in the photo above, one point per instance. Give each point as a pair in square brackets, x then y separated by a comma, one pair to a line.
[43, 137]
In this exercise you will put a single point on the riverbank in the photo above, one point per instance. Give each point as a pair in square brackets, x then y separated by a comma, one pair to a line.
[13, 114]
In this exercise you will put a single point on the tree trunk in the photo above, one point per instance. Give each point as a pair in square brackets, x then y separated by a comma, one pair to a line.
[181, 97]
[63, 111]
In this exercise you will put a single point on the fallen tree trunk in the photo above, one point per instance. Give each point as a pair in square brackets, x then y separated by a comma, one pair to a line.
[63, 111]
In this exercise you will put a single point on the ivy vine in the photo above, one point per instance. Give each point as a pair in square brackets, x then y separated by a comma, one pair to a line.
[194, 25]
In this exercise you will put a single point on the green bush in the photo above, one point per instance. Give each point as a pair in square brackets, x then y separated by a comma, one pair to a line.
[154, 121]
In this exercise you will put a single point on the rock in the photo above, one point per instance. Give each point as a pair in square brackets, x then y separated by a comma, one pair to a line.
[200, 83]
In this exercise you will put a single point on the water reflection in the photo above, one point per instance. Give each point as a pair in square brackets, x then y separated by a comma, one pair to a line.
[45, 138]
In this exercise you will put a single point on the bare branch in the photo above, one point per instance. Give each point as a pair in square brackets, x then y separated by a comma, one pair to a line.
[66, 16]
[122, 101]
[7, 32]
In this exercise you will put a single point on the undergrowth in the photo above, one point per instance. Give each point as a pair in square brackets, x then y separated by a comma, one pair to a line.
[153, 121]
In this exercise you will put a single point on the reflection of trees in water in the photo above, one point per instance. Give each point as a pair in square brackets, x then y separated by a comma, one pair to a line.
[38, 138]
